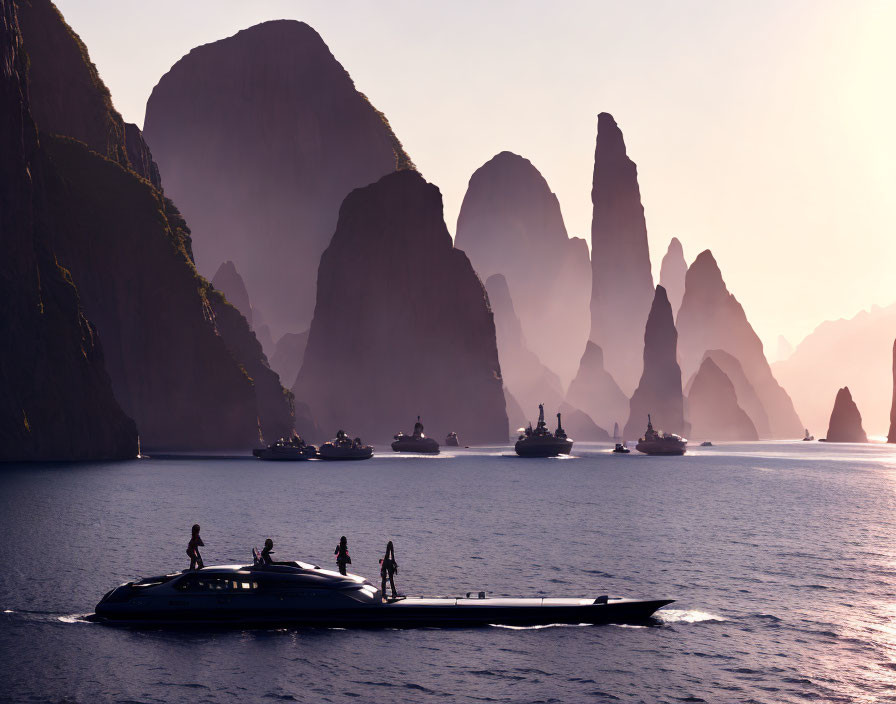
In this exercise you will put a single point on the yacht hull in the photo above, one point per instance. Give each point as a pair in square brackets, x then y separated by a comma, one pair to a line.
[403, 613]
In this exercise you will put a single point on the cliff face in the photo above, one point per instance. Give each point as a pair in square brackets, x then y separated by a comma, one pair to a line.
[57, 401]
[659, 392]
[856, 349]
[595, 392]
[128, 250]
[622, 284]
[672, 274]
[747, 398]
[259, 138]
[229, 282]
[510, 223]
[846, 421]
[528, 379]
[402, 325]
[714, 413]
[711, 318]
[891, 436]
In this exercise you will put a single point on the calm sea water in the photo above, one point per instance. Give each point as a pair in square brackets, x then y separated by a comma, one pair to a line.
[781, 557]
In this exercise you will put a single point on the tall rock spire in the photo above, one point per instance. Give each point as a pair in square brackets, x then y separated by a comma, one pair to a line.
[672, 273]
[846, 421]
[402, 324]
[659, 392]
[622, 283]
[711, 318]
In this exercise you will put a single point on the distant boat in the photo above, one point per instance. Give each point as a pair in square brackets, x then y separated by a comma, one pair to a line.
[417, 442]
[621, 448]
[541, 442]
[706, 443]
[654, 443]
[293, 450]
[451, 440]
[808, 437]
[344, 448]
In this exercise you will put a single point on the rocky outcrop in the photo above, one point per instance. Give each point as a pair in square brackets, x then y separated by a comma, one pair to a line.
[622, 283]
[528, 379]
[711, 318]
[402, 325]
[595, 392]
[846, 421]
[259, 138]
[229, 282]
[510, 223]
[747, 398]
[57, 401]
[288, 355]
[672, 274]
[891, 436]
[856, 350]
[128, 250]
[659, 392]
[714, 413]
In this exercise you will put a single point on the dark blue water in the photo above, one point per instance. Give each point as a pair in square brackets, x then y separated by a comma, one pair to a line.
[781, 557]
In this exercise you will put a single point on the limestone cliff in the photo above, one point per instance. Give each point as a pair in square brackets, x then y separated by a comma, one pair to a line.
[402, 325]
[510, 224]
[57, 401]
[659, 392]
[229, 282]
[259, 137]
[622, 284]
[129, 253]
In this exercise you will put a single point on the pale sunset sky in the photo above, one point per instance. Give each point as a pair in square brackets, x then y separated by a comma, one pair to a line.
[765, 131]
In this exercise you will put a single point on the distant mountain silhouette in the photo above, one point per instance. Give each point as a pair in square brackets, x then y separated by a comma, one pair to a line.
[846, 422]
[622, 283]
[711, 318]
[713, 410]
[595, 392]
[288, 356]
[510, 223]
[659, 392]
[747, 398]
[259, 138]
[854, 350]
[528, 379]
[402, 325]
[228, 281]
[672, 274]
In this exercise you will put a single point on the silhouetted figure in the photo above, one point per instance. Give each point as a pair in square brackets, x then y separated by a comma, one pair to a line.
[193, 549]
[342, 556]
[418, 428]
[267, 552]
[561, 433]
[388, 570]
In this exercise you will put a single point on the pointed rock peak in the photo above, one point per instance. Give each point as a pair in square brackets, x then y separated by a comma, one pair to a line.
[229, 282]
[660, 312]
[675, 247]
[673, 272]
[610, 150]
[593, 357]
[705, 269]
[846, 421]
[715, 412]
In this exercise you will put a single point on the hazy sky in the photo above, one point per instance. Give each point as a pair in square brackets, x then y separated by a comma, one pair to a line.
[765, 131]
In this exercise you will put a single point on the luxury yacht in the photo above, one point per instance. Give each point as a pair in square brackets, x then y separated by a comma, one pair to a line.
[297, 593]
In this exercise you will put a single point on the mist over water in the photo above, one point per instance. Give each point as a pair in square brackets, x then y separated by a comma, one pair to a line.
[780, 556]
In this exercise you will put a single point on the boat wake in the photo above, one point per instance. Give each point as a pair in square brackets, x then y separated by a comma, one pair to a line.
[686, 616]
[539, 627]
